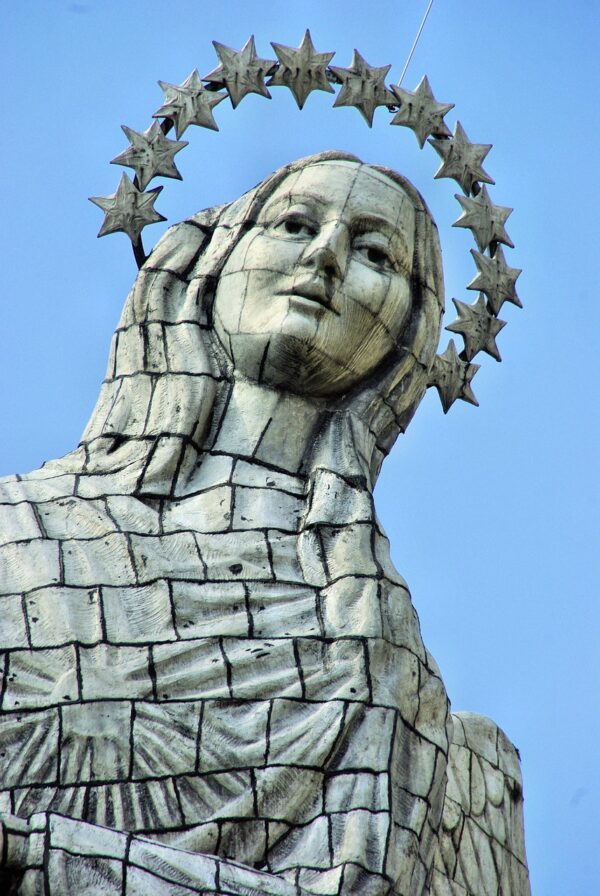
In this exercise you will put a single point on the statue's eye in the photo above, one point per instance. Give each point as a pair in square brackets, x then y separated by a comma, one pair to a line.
[295, 225]
[375, 254]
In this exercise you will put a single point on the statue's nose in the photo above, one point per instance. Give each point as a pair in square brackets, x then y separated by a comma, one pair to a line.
[326, 253]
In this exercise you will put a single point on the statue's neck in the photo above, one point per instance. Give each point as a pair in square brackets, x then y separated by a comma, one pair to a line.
[269, 427]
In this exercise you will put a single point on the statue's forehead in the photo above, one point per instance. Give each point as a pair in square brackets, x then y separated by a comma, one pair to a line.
[349, 189]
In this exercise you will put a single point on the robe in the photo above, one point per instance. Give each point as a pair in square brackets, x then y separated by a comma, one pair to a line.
[206, 695]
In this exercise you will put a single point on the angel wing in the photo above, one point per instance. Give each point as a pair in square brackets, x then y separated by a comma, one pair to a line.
[481, 850]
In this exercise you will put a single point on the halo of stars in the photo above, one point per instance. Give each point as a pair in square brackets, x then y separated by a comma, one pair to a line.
[303, 70]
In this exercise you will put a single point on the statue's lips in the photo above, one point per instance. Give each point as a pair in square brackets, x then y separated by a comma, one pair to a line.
[312, 293]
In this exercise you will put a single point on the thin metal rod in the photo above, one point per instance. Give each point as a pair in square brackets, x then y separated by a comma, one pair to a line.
[415, 42]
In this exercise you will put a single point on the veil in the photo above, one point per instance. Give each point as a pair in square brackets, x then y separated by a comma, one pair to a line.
[167, 378]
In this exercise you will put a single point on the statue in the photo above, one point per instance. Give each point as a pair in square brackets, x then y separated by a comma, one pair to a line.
[213, 677]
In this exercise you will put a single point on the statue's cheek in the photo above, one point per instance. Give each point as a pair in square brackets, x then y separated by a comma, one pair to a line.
[385, 294]
[366, 285]
[265, 252]
[229, 300]
[396, 306]
[263, 306]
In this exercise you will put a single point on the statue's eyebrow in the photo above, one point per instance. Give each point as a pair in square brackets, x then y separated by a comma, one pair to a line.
[374, 223]
[291, 199]
[367, 223]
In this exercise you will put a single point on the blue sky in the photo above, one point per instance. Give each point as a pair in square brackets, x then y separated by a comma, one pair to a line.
[492, 511]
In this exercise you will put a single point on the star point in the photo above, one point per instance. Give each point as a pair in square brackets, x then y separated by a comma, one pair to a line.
[496, 279]
[484, 219]
[189, 103]
[128, 209]
[150, 154]
[241, 71]
[420, 111]
[363, 86]
[452, 377]
[302, 70]
[478, 328]
[461, 159]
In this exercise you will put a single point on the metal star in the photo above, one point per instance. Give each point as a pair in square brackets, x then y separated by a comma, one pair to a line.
[189, 103]
[128, 209]
[302, 70]
[452, 378]
[484, 219]
[150, 154]
[241, 71]
[462, 160]
[478, 328]
[363, 87]
[421, 112]
[495, 279]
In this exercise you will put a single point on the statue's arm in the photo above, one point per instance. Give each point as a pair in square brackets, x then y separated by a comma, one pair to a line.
[61, 856]
[481, 846]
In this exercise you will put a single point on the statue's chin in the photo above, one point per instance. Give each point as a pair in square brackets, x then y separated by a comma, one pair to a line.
[288, 362]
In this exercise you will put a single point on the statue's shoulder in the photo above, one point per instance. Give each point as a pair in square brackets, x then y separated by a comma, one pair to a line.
[22, 502]
[43, 517]
[55, 479]
[481, 837]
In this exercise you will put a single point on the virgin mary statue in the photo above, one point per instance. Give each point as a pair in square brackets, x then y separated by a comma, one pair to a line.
[212, 677]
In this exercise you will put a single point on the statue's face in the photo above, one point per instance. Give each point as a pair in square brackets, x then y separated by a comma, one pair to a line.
[317, 293]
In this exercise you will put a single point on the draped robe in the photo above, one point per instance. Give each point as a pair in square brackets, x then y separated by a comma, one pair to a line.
[199, 673]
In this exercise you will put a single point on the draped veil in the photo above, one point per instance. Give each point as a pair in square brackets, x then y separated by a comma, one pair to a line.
[167, 379]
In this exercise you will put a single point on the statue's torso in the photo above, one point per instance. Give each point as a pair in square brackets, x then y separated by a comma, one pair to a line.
[197, 671]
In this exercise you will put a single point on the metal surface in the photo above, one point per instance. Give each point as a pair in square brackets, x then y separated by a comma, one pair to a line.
[496, 279]
[452, 377]
[421, 112]
[302, 70]
[150, 154]
[241, 71]
[462, 160]
[128, 209]
[189, 103]
[484, 219]
[363, 87]
[478, 328]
